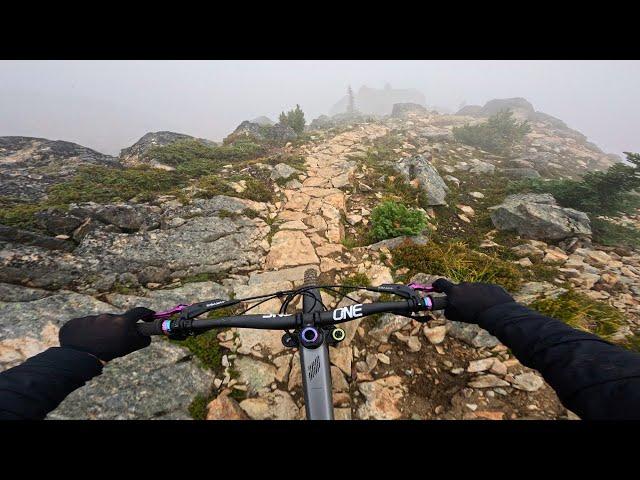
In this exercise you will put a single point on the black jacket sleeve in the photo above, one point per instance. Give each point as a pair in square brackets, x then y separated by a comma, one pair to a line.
[593, 378]
[32, 389]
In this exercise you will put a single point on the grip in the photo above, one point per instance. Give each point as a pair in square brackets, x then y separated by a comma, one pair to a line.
[439, 303]
[150, 328]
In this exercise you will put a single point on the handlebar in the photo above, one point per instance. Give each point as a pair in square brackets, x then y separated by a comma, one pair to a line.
[284, 321]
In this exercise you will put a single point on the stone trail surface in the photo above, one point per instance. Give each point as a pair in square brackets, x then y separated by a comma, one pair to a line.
[391, 369]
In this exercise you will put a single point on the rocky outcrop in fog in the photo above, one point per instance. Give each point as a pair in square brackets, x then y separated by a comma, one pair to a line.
[29, 166]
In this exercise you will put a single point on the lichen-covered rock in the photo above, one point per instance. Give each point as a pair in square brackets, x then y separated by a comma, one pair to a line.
[420, 170]
[152, 383]
[127, 217]
[24, 237]
[29, 166]
[471, 334]
[282, 170]
[538, 216]
[520, 173]
[29, 321]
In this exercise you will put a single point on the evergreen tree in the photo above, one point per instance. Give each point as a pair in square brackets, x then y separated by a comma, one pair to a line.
[351, 101]
[294, 119]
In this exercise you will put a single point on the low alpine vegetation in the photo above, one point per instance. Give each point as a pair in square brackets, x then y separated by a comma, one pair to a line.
[497, 135]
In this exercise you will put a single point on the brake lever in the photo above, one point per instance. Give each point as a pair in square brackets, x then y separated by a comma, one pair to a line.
[421, 287]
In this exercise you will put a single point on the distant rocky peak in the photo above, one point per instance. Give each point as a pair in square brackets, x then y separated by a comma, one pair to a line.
[263, 121]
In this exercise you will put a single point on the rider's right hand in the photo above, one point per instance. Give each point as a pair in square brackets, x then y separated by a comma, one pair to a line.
[468, 300]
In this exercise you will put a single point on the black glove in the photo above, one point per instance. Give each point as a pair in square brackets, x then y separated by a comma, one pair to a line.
[106, 336]
[468, 300]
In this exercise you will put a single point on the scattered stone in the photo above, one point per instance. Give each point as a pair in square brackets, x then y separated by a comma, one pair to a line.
[488, 381]
[529, 382]
[435, 335]
[223, 407]
[480, 365]
[382, 398]
[276, 405]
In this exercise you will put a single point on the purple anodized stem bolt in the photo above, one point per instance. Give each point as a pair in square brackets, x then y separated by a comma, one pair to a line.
[303, 334]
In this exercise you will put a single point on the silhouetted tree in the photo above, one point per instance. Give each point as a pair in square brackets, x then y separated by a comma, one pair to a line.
[351, 101]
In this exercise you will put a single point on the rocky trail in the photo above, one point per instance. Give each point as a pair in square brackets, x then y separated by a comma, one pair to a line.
[158, 254]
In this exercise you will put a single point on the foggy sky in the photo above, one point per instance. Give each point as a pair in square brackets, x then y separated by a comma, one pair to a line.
[108, 105]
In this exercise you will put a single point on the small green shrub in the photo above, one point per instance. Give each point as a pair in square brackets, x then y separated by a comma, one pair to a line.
[294, 119]
[249, 213]
[598, 193]
[106, 184]
[457, 261]
[498, 135]
[19, 215]
[610, 234]
[582, 312]
[391, 219]
[211, 186]
[355, 280]
[258, 191]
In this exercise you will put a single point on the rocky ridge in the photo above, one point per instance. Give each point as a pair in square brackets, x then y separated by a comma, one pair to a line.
[28, 166]
[388, 368]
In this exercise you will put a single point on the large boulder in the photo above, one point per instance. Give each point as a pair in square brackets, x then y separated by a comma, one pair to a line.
[206, 236]
[157, 382]
[24, 237]
[419, 170]
[537, 216]
[29, 166]
[261, 132]
[127, 217]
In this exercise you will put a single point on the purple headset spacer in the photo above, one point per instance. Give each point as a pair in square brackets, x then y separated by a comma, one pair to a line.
[315, 334]
[166, 327]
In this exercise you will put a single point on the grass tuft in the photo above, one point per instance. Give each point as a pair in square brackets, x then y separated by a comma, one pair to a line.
[582, 312]
[455, 260]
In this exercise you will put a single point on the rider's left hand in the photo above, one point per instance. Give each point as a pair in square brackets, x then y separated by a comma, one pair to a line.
[106, 336]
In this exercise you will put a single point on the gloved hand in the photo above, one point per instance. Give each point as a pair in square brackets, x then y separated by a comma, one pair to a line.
[106, 336]
[468, 300]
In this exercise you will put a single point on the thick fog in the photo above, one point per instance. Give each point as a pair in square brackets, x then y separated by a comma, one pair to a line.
[107, 105]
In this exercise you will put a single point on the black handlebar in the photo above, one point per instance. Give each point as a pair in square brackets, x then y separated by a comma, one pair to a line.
[291, 321]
